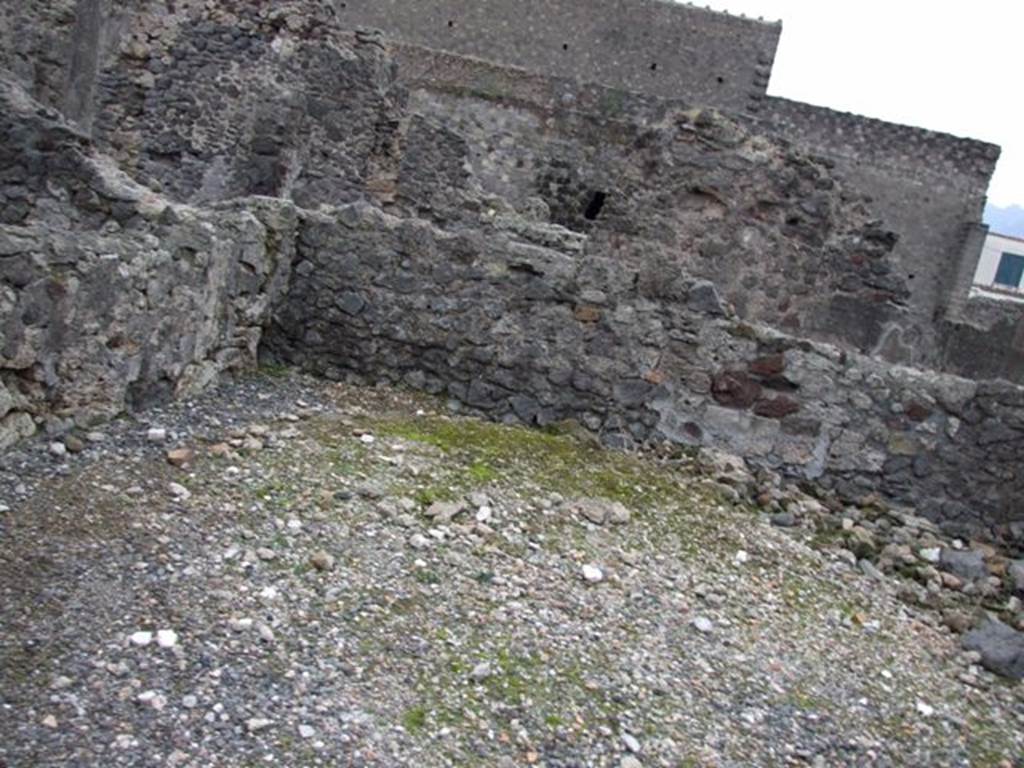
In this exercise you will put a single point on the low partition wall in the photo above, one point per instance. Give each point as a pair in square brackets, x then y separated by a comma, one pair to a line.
[522, 322]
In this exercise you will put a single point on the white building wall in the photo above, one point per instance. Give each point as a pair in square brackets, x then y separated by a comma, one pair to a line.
[993, 250]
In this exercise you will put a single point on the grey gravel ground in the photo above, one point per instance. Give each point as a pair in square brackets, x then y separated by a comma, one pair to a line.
[290, 572]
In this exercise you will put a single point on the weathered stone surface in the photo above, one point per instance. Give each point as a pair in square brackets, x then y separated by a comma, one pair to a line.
[111, 296]
[518, 259]
[498, 331]
[1001, 648]
[969, 564]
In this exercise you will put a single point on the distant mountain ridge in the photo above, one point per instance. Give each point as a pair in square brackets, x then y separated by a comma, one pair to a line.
[1005, 221]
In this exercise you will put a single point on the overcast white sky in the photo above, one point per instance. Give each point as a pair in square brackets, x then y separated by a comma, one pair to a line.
[952, 67]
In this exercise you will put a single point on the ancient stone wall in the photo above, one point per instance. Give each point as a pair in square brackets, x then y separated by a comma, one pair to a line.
[527, 322]
[35, 46]
[112, 297]
[536, 253]
[654, 47]
[928, 187]
[784, 238]
[986, 338]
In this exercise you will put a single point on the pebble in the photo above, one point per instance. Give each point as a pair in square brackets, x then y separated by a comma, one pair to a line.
[266, 554]
[481, 671]
[630, 762]
[322, 561]
[930, 554]
[925, 710]
[265, 632]
[703, 624]
[156, 435]
[179, 491]
[306, 731]
[167, 638]
[141, 639]
[61, 682]
[153, 699]
[179, 457]
[631, 742]
[592, 574]
[58, 449]
[419, 541]
[189, 701]
[257, 724]
[50, 721]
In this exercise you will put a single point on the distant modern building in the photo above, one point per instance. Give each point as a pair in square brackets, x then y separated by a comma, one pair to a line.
[1000, 272]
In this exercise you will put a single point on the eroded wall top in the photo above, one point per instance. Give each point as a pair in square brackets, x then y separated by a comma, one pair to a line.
[650, 46]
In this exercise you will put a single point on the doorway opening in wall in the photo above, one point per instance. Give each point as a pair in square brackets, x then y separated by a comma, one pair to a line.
[595, 205]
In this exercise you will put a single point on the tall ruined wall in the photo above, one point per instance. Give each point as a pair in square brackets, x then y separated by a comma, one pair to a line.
[928, 187]
[111, 297]
[655, 47]
[527, 322]
[247, 98]
[786, 241]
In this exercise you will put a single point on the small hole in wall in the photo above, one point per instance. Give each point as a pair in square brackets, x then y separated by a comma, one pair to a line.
[451, 23]
[720, 79]
[595, 205]
[654, 67]
[910, 277]
[565, 46]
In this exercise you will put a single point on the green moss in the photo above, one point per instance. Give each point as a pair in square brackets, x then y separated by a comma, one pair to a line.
[275, 370]
[491, 453]
[414, 719]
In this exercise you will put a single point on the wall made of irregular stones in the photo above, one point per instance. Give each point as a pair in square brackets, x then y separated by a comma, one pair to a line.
[217, 101]
[785, 240]
[926, 186]
[523, 322]
[111, 296]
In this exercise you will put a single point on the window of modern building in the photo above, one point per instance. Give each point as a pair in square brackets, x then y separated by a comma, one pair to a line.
[1010, 271]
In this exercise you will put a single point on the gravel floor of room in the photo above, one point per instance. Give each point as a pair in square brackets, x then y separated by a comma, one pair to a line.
[298, 573]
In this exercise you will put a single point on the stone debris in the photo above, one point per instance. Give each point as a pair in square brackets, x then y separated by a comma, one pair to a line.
[792, 649]
[1001, 648]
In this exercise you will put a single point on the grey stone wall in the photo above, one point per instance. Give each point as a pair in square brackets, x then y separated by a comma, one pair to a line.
[786, 241]
[111, 296]
[928, 187]
[35, 46]
[453, 240]
[214, 102]
[527, 322]
[654, 47]
[986, 339]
